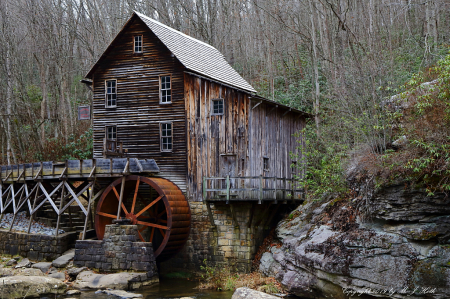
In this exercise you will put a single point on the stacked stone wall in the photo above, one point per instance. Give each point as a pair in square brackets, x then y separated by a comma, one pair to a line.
[118, 251]
[232, 242]
[35, 247]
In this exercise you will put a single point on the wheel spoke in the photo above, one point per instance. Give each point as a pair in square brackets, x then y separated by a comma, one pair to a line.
[152, 234]
[160, 214]
[142, 228]
[135, 195]
[162, 233]
[118, 198]
[152, 224]
[140, 237]
[162, 220]
[149, 206]
[107, 215]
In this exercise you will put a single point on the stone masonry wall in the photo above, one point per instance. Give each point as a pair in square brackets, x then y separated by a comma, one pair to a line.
[118, 251]
[35, 247]
[228, 243]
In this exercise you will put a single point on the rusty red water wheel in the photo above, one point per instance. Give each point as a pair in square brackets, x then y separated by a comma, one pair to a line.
[156, 205]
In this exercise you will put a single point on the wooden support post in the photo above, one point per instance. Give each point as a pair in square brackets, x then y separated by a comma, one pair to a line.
[233, 215]
[12, 223]
[91, 215]
[204, 189]
[228, 189]
[284, 190]
[260, 189]
[210, 216]
[122, 187]
[34, 205]
[88, 212]
[61, 204]
[252, 212]
[275, 190]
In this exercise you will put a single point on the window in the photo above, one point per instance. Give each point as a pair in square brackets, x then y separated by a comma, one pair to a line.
[217, 107]
[266, 164]
[111, 133]
[111, 93]
[165, 90]
[138, 44]
[166, 137]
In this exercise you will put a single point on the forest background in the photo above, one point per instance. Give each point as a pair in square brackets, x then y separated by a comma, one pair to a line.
[337, 59]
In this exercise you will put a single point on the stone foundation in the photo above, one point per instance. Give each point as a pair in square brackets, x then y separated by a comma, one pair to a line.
[36, 247]
[118, 251]
[233, 241]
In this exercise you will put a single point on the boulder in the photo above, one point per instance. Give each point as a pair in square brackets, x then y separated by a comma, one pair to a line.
[73, 292]
[73, 272]
[24, 263]
[43, 266]
[31, 286]
[11, 262]
[246, 293]
[118, 281]
[4, 272]
[58, 275]
[63, 260]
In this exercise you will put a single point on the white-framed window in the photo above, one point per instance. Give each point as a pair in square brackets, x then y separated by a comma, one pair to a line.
[266, 163]
[138, 44]
[110, 93]
[165, 90]
[111, 133]
[166, 133]
[217, 107]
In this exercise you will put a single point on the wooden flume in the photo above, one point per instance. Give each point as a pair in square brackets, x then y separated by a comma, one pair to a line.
[121, 187]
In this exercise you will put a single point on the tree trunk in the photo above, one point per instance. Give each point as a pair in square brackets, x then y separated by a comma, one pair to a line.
[316, 85]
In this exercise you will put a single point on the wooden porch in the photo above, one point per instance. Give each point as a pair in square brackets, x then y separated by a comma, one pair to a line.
[252, 188]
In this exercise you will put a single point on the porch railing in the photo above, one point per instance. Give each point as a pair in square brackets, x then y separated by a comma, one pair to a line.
[251, 188]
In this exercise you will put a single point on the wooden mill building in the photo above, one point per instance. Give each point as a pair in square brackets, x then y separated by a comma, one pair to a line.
[163, 95]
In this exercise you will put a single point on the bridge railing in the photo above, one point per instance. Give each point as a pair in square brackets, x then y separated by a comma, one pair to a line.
[251, 188]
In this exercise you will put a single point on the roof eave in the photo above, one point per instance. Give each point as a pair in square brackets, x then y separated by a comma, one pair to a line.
[270, 102]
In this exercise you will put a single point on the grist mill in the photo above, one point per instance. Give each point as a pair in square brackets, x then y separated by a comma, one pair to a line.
[183, 148]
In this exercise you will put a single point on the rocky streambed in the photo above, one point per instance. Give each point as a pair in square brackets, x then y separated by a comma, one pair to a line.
[389, 243]
[22, 221]
[21, 278]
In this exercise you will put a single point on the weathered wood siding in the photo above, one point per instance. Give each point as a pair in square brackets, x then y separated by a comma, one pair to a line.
[271, 135]
[138, 111]
[236, 142]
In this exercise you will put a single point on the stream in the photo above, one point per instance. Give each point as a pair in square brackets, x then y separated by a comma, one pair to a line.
[167, 288]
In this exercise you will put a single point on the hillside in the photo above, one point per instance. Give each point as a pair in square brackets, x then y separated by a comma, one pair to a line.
[387, 235]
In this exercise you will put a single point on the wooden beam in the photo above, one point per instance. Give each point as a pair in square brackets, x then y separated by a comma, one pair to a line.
[259, 103]
[290, 109]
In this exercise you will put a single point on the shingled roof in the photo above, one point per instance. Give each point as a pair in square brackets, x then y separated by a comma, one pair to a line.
[195, 55]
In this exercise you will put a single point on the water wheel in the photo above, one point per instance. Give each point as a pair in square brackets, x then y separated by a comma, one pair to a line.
[156, 205]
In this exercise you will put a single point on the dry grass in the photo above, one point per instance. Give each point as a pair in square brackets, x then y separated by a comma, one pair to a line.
[254, 280]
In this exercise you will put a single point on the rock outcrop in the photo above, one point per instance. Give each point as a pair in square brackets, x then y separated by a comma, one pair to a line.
[400, 250]
[30, 286]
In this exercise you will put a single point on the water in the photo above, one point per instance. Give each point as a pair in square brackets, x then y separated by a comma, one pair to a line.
[170, 288]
